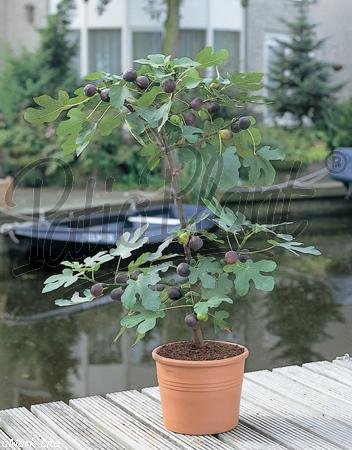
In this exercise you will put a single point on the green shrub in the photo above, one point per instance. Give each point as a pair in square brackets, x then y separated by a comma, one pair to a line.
[336, 126]
[299, 145]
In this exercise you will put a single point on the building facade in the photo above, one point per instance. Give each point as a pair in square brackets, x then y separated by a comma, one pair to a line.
[127, 30]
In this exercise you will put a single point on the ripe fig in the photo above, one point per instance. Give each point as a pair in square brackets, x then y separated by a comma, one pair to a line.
[245, 256]
[235, 127]
[90, 90]
[135, 274]
[174, 293]
[116, 294]
[189, 118]
[244, 123]
[142, 82]
[169, 86]
[175, 119]
[196, 103]
[130, 75]
[191, 320]
[96, 290]
[213, 108]
[231, 257]
[183, 269]
[225, 134]
[121, 277]
[195, 243]
[104, 95]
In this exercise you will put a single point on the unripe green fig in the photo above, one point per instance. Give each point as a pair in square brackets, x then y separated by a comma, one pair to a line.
[175, 119]
[183, 238]
[202, 317]
[203, 115]
[225, 134]
[214, 85]
[97, 289]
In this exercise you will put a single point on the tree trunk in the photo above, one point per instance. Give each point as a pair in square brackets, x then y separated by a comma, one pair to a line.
[171, 27]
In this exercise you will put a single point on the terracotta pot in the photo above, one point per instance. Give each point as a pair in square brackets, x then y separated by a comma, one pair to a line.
[200, 397]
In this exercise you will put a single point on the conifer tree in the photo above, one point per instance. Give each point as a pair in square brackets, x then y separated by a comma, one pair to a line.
[299, 83]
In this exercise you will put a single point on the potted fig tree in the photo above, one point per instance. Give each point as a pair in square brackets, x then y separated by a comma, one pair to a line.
[171, 107]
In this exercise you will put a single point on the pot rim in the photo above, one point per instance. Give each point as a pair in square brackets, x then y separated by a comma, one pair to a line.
[211, 362]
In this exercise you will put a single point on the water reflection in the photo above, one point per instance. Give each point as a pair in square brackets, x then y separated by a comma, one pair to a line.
[307, 317]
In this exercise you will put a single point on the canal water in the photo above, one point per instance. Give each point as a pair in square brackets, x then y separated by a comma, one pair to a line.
[307, 317]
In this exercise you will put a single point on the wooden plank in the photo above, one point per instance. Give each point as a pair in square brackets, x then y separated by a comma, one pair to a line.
[329, 370]
[6, 441]
[81, 433]
[316, 381]
[328, 429]
[120, 425]
[148, 411]
[23, 427]
[326, 404]
[270, 425]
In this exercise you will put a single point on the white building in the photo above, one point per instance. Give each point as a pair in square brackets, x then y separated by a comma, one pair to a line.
[127, 31]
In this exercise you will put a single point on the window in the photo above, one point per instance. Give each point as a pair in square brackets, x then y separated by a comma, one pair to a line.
[231, 41]
[191, 42]
[73, 37]
[146, 43]
[105, 50]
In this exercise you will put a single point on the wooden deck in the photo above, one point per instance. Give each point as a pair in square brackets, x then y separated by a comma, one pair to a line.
[297, 408]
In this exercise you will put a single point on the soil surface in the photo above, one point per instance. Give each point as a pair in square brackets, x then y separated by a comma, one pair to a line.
[187, 351]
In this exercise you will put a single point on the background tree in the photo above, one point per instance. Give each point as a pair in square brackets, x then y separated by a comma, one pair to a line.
[24, 77]
[299, 83]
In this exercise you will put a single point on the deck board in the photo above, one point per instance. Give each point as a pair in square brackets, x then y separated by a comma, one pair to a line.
[74, 428]
[22, 426]
[295, 408]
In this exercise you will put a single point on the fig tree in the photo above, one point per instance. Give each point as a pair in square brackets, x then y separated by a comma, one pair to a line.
[195, 243]
[231, 257]
[90, 90]
[183, 269]
[130, 75]
[96, 290]
[196, 103]
[174, 293]
[169, 86]
[116, 294]
[142, 82]
[104, 95]
[191, 320]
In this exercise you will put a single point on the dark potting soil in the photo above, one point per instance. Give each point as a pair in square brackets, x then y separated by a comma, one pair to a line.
[188, 351]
